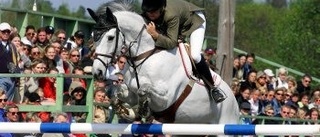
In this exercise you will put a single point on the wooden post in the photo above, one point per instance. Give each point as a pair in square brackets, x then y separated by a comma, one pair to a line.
[226, 39]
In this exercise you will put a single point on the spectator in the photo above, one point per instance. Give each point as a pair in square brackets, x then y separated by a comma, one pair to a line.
[42, 40]
[292, 84]
[255, 102]
[248, 66]
[60, 36]
[12, 113]
[304, 101]
[269, 98]
[278, 101]
[29, 34]
[9, 59]
[281, 80]
[261, 81]
[50, 54]
[74, 58]
[78, 97]
[240, 72]
[313, 114]
[77, 42]
[58, 118]
[35, 53]
[101, 106]
[244, 95]
[245, 111]
[49, 31]
[270, 79]
[48, 85]
[250, 81]
[267, 112]
[38, 67]
[118, 66]
[304, 84]
[284, 113]
[209, 54]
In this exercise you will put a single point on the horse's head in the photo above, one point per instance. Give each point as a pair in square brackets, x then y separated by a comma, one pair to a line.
[105, 35]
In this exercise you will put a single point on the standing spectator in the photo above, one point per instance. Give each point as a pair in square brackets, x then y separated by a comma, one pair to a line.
[240, 73]
[47, 84]
[29, 34]
[77, 42]
[261, 81]
[9, 59]
[49, 55]
[49, 31]
[60, 36]
[36, 53]
[38, 67]
[74, 58]
[42, 40]
[281, 80]
[118, 66]
[304, 84]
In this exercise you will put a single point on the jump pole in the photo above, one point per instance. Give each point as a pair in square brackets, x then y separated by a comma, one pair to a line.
[171, 129]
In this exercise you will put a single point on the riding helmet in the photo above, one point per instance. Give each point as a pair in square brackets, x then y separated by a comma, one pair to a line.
[152, 5]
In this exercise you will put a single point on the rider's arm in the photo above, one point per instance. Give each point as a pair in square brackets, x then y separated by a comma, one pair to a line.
[170, 40]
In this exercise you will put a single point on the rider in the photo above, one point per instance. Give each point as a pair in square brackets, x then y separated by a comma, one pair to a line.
[167, 20]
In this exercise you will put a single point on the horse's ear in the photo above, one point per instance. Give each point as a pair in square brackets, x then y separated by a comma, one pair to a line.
[110, 17]
[92, 14]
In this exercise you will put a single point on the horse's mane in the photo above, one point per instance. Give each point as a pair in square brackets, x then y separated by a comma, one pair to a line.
[114, 6]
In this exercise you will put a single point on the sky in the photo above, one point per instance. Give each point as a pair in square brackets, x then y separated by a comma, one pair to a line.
[74, 4]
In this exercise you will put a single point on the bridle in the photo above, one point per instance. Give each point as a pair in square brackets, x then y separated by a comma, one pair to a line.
[126, 50]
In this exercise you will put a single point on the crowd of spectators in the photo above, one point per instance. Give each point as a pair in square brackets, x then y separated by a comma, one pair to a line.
[48, 50]
[279, 94]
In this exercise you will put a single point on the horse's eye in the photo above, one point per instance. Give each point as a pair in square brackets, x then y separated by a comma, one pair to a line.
[110, 38]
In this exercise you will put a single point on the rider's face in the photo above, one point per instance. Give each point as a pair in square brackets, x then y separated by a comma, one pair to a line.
[154, 15]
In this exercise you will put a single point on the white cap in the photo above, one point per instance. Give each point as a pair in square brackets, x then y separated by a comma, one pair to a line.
[268, 72]
[25, 41]
[5, 26]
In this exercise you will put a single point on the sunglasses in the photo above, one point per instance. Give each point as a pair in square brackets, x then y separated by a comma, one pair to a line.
[307, 81]
[3, 100]
[61, 37]
[31, 34]
[75, 55]
[280, 94]
[285, 112]
[122, 62]
[6, 31]
[120, 80]
[35, 53]
[14, 113]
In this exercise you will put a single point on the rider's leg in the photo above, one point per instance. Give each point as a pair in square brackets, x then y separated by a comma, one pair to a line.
[196, 42]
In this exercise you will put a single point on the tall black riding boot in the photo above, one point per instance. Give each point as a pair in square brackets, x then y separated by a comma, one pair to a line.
[204, 72]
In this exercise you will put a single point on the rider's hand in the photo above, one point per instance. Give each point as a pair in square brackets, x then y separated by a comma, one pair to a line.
[151, 29]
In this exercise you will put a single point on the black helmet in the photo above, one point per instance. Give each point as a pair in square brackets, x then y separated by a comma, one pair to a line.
[152, 5]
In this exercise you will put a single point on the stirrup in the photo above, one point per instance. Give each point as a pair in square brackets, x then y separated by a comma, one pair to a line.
[216, 95]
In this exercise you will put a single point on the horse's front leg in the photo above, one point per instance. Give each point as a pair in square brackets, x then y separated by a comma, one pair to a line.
[150, 98]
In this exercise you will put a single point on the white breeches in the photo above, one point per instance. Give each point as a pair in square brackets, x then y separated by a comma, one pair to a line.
[196, 39]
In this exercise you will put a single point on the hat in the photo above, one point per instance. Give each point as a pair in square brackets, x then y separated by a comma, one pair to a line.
[5, 26]
[26, 42]
[260, 74]
[209, 51]
[113, 77]
[49, 29]
[79, 34]
[245, 105]
[87, 69]
[33, 97]
[79, 89]
[268, 72]
[73, 85]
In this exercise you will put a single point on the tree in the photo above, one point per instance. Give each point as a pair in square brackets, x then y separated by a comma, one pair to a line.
[64, 10]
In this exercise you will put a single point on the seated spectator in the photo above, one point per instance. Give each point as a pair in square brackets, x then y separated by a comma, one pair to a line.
[101, 106]
[78, 97]
[284, 113]
[313, 114]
